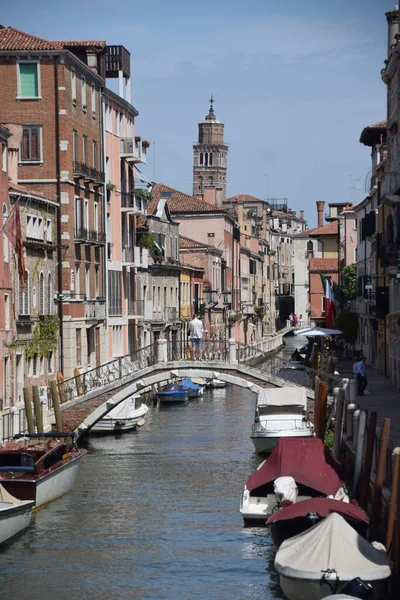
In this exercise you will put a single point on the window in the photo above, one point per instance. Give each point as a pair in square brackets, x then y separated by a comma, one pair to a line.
[210, 159]
[85, 150]
[96, 282]
[41, 361]
[87, 281]
[201, 159]
[78, 215]
[95, 159]
[28, 80]
[50, 366]
[93, 100]
[6, 311]
[30, 372]
[78, 343]
[34, 370]
[23, 301]
[73, 86]
[49, 236]
[34, 227]
[75, 149]
[5, 238]
[114, 293]
[84, 101]
[30, 150]
[4, 157]
[86, 215]
[41, 294]
[49, 294]
[96, 216]
[117, 340]
[77, 279]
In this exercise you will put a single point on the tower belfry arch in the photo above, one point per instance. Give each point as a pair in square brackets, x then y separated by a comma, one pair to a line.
[210, 155]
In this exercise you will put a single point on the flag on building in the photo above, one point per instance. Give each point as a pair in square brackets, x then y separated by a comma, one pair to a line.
[329, 301]
[12, 229]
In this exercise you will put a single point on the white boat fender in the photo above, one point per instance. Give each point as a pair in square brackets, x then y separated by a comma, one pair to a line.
[379, 546]
[330, 577]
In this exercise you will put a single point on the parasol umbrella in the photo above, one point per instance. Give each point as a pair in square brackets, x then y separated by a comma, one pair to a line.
[317, 331]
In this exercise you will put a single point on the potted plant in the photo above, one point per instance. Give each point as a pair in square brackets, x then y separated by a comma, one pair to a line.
[145, 144]
[146, 240]
[84, 107]
[235, 318]
[143, 194]
[206, 285]
[260, 311]
[111, 187]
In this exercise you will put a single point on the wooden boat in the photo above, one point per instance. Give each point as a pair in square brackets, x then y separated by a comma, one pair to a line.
[296, 518]
[172, 393]
[296, 470]
[280, 412]
[15, 515]
[39, 467]
[324, 559]
[126, 416]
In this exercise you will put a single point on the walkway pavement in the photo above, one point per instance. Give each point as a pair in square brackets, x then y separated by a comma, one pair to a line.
[383, 397]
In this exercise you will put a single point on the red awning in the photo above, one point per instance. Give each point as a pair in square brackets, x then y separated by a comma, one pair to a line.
[305, 460]
[323, 507]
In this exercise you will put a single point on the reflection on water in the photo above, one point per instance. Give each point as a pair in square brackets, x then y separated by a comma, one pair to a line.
[154, 515]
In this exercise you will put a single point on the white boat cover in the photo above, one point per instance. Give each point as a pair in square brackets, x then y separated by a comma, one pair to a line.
[340, 597]
[286, 488]
[123, 410]
[328, 545]
[284, 396]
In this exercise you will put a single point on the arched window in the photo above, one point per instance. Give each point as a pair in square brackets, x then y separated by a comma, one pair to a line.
[200, 184]
[206, 159]
[5, 238]
[210, 159]
[201, 158]
[49, 294]
[23, 300]
[310, 246]
[41, 294]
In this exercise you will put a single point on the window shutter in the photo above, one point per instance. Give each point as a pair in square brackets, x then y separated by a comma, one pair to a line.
[28, 76]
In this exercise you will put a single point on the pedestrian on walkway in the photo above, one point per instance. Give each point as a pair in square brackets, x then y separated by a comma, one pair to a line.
[361, 376]
[196, 331]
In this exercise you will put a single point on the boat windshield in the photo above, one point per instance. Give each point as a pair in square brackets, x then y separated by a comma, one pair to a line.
[17, 461]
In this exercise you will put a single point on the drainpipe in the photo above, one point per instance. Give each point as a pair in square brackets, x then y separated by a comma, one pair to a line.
[104, 213]
[58, 194]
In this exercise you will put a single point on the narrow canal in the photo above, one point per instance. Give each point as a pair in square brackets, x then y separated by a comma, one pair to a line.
[154, 515]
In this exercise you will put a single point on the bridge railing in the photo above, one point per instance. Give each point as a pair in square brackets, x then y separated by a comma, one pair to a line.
[210, 349]
[297, 372]
[100, 376]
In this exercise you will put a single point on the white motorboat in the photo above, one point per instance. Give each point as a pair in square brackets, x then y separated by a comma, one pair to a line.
[324, 559]
[280, 412]
[126, 416]
[15, 515]
[217, 383]
[298, 469]
[193, 389]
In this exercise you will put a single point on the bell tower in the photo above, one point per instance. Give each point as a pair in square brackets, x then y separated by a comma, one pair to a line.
[210, 156]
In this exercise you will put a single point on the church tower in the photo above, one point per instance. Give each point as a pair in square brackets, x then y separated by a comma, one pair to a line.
[210, 156]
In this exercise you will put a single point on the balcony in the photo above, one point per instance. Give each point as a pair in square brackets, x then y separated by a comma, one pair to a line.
[132, 203]
[248, 308]
[135, 257]
[135, 309]
[98, 177]
[166, 314]
[211, 298]
[97, 237]
[82, 171]
[117, 59]
[133, 150]
[95, 309]
[82, 235]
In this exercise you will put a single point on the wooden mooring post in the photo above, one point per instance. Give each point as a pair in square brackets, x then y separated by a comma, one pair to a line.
[376, 509]
[28, 410]
[56, 405]
[369, 455]
[362, 421]
[337, 442]
[38, 409]
[394, 500]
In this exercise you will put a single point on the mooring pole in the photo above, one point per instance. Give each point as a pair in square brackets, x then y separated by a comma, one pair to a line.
[56, 405]
[38, 409]
[375, 520]
[337, 442]
[369, 454]
[28, 410]
[362, 421]
[393, 501]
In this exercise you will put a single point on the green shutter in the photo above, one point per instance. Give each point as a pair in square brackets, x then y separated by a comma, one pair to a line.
[28, 76]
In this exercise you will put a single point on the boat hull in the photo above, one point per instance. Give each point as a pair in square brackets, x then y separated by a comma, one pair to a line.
[46, 487]
[109, 425]
[307, 589]
[14, 518]
[256, 509]
[172, 397]
[265, 442]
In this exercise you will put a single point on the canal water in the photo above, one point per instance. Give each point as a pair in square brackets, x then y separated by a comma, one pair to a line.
[154, 516]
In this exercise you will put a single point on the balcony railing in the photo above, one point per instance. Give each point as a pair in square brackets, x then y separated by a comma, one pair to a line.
[133, 150]
[136, 256]
[82, 234]
[166, 314]
[97, 176]
[135, 308]
[131, 202]
[95, 309]
[97, 237]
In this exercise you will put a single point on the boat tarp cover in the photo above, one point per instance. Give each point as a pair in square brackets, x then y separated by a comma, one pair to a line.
[332, 544]
[285, 396]
[303, 459]
[188, 384]
[123, 410]
[322, 507]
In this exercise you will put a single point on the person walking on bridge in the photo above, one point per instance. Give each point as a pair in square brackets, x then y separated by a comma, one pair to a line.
[196, 331]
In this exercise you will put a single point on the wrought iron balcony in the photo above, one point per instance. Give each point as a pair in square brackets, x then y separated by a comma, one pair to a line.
[98, 177]
[95, 309]
[82, 234]
[166, 314]
[133, 203]
[83, 171]
[135, 308]
[97, 237]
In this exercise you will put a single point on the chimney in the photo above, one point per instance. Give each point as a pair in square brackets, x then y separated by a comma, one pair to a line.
[240, 215]
[320, 212]
[392, 18]
[219, 197]
[302, 214]
[14, 143]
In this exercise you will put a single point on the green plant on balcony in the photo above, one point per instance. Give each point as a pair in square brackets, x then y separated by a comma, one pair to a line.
[146, 240]
[45, 337]
[206, 286]
[143, 194]
[145, 144]
[235, 318]
[111, 187]
[84, 106]
[260, 311]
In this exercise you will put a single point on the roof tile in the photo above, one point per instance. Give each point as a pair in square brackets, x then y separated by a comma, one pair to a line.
[329, 229]
[179, 202]
[323, 264]
[243, 198]
[82, 43]
[12, 39]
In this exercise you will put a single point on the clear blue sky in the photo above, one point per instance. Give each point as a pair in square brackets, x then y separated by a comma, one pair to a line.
[294, 81]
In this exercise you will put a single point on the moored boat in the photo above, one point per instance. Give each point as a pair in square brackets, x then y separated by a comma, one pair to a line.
[194, 390]
[40, 467]
[124, 417]
[280, 412]
[217, 383]
[297, 469]
[15, 515]
[172, 393]
[323, 560]
[296, 518]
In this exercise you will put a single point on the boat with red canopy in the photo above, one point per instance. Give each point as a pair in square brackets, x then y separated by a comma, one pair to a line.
[296, 470]
[296, 518]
